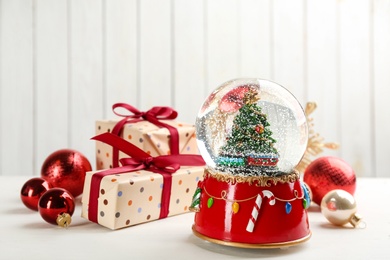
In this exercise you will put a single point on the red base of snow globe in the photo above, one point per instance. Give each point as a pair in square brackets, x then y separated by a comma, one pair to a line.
[251, 212]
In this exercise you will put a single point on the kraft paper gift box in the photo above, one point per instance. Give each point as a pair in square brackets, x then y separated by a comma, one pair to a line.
[127, 195]
[153, 139]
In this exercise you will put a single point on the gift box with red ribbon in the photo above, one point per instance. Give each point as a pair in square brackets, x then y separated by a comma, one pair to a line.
[154, 131]
[143, 188]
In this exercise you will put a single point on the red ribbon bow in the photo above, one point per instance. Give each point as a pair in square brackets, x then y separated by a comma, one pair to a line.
[140, 160]
[154, 115]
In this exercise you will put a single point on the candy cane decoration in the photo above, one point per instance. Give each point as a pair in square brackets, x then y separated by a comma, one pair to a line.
[256, 208]
[269, 195]
[255, 213]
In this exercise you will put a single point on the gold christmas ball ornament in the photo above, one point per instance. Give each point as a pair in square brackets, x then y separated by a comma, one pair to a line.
[339, 207]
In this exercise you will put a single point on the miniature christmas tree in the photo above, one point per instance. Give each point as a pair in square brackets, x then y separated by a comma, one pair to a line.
[250, 142]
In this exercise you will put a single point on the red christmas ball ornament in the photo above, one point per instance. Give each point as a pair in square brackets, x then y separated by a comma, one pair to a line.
[56, 207]
[329, 173]
[32, 190]
[66, 169]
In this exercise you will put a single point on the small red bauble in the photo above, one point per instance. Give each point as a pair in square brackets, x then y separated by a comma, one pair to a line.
[32, 190]
[56, 207]
[259, 129]
[329, 173]
[66, 169]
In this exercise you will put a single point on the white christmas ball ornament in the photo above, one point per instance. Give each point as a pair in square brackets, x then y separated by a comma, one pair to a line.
[339, 207]
[251, 127]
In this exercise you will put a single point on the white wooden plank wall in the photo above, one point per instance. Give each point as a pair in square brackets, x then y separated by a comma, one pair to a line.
[64, 63]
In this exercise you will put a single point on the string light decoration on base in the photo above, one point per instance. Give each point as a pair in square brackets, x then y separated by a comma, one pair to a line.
[251, 133]
[339, 207]
[56, 206]
[316, 144]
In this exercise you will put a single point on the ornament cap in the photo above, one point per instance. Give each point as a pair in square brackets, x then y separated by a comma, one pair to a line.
[356, 220]
[193, 209]
[64, 220]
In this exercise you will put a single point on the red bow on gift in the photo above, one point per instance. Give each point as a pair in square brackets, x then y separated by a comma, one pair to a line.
[154, 115]
[140, 160]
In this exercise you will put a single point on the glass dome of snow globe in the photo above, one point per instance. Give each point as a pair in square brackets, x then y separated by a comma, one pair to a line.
[251, 127]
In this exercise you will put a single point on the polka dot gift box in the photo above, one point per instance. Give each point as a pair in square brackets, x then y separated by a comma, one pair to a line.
[136, 192]
[135, 197]
[151, 131]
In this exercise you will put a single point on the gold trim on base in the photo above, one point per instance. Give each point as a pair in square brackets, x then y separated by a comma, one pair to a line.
[260, 181]
[248, 245]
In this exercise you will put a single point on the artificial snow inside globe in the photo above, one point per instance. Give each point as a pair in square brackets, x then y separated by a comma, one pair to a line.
[251, 133]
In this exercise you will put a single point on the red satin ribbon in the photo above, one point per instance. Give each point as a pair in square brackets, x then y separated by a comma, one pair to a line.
[154, 115]
[140, 160]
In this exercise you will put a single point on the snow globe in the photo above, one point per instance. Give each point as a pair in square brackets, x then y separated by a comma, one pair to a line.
[251, 133]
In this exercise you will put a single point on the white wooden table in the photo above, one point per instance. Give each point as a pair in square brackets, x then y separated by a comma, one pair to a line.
[24, 235]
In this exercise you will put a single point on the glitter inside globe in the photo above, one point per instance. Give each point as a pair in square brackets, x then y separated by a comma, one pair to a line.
[251, 127]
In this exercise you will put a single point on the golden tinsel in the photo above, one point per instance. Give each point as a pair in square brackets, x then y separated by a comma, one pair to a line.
[315, 144]
[259, 181]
